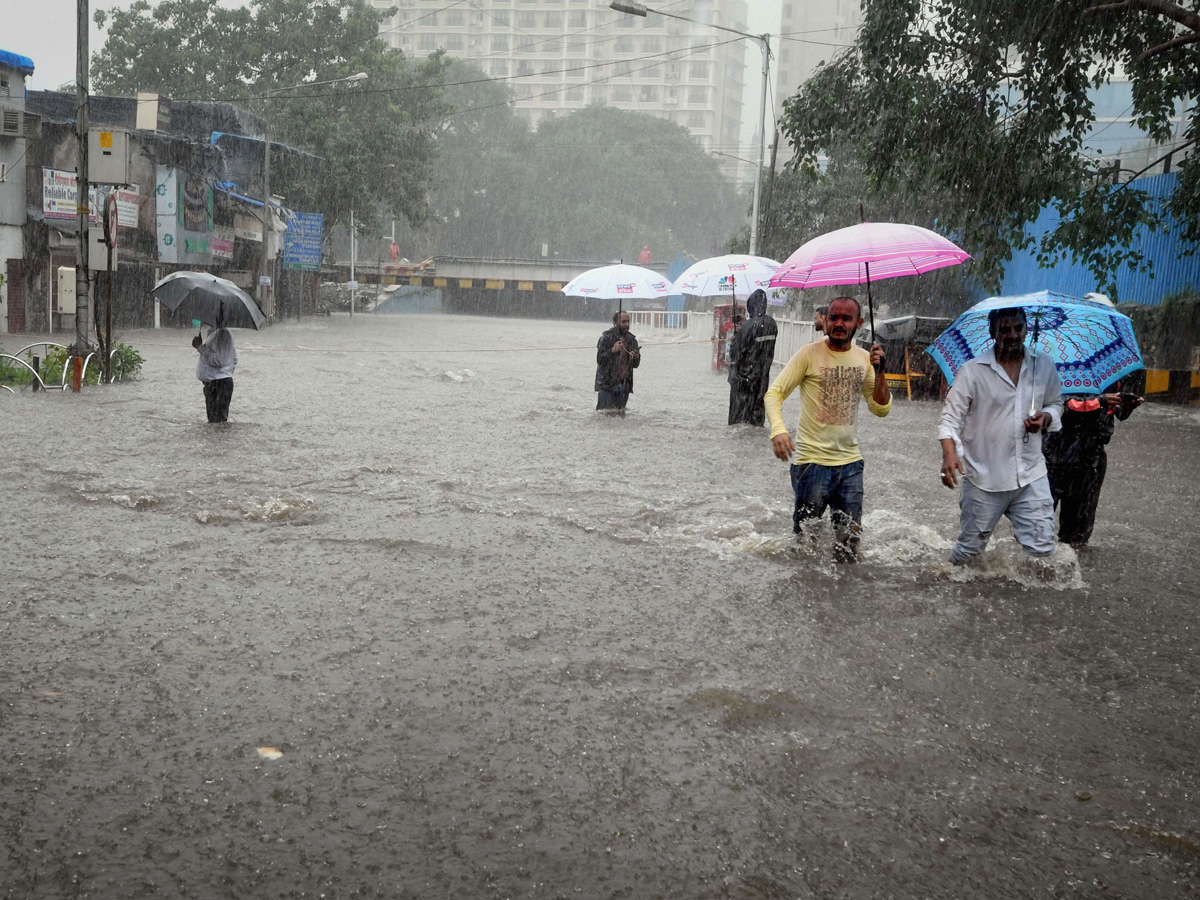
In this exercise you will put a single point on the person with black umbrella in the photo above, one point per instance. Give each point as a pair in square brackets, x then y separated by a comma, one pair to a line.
[218, 358]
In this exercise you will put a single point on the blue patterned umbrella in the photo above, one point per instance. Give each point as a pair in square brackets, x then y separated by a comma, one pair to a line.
[1092, 344]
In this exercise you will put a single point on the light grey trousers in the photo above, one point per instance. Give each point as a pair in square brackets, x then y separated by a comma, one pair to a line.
[1030, 510]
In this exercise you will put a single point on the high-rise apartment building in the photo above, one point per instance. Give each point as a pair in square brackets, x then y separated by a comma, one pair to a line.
[562, 55]
[810, 33]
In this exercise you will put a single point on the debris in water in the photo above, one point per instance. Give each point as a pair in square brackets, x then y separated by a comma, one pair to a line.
[269, 753]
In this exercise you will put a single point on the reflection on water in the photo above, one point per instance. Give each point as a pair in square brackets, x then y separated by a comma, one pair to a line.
[507, 646]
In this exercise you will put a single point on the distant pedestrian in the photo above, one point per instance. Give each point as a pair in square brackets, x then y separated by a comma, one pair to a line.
[989, 435]
[617, 355]
[819, 315]
[218, 358]
[827, 469]
[751, 353]
[1077, 461]
[644, 256]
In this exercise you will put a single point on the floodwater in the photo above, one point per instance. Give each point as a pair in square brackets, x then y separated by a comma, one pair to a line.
[508, 647]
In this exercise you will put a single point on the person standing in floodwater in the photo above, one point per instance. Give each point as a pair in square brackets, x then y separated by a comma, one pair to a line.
[827, 469]
[617, 355]
[1076, 460]
[218, 358]
[750, 355]
[1000, 405]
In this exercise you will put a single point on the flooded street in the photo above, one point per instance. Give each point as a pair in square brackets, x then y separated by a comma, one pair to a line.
[509, 647]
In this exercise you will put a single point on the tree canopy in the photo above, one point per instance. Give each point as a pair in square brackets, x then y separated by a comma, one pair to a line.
[377, 136]
[597, 184]
[983, 106]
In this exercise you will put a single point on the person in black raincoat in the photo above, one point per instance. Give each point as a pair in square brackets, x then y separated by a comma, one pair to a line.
[1076, 460]
[617, 355]
[750, 354]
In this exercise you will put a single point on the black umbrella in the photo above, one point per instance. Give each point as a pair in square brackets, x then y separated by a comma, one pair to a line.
[212, 300]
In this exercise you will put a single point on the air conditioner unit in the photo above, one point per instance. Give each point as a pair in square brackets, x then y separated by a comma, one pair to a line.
[11, 124]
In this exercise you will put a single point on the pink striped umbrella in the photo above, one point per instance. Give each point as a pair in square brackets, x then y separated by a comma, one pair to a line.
[865, 252]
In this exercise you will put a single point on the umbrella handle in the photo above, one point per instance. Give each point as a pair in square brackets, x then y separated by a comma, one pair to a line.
[871, 308]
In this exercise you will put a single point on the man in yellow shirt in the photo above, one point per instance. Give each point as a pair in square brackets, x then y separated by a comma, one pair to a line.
[827, 468]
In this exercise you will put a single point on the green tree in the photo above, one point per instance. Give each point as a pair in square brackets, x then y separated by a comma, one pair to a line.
[377, 137]
[984, 105]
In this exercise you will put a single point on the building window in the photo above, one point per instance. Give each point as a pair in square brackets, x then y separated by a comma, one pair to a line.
[499, 43]
[695, 119]
[502, 17]
[577, 47]
[550, 68]
[499, 68]
[701, 48]
[427, 18]
[652, 44]
[622, 93]
[624, 45]
[787, 11]
[427, 43]
[454, 42]
[524, 67]
[577, 18]
[698, 71]
[526, 19]
[651, 73]
[697, 96]
[648, 93]
[627, 21]
[553, 46]
[456, 17]
[554, 19]
[575, 94]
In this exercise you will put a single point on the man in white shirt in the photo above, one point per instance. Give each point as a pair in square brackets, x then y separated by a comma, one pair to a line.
[218, 358]
[1000, 405]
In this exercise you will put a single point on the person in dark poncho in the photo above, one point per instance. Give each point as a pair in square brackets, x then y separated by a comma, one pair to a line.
[1076, 460]
[617, 355]
[750, 354]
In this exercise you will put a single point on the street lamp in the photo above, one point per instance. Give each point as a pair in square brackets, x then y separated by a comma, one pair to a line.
[764, 44]
[264, 280]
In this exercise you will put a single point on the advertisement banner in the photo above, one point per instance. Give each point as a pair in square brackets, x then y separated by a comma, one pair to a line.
[166, 203]
[302, 242]
[60, 193]
[222, 243]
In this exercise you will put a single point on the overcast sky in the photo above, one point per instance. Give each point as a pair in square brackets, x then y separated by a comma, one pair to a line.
[44, 30]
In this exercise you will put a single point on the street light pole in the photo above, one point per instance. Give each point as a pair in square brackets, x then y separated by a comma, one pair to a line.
[265, 259]
[764, 44]
[82, 193]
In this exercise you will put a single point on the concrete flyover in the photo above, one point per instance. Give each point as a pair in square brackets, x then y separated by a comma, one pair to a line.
[526, 288]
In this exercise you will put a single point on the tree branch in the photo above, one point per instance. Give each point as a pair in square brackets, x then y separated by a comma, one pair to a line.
[1163, 8]
[1177, 41]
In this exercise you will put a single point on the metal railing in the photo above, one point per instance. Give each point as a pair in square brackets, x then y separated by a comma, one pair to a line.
[114, 374]
[679, 325]
[792, 336]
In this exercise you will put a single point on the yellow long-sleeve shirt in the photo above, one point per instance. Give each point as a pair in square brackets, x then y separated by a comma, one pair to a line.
[830, 384]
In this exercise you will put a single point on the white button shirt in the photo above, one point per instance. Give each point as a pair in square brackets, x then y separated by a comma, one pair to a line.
[985, 417]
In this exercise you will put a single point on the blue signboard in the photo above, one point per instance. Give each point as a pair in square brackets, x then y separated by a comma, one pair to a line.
[302, 242]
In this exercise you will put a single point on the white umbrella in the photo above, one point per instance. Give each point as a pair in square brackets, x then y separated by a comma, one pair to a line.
[619, 282]
[735, 275]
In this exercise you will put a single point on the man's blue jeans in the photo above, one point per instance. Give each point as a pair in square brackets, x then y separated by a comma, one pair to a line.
[1030, 509]
[840, 488]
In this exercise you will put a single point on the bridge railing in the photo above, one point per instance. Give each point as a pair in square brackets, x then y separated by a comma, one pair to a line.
[682, 325]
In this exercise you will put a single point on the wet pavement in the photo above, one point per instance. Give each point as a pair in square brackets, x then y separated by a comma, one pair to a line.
[508, 647]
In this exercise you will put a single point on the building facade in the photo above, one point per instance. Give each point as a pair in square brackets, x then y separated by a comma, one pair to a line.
[562, 55]
[17, 126]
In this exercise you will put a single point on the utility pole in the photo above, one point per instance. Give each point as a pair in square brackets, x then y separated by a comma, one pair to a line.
[82, 194]
[265, 269]
[353, 257]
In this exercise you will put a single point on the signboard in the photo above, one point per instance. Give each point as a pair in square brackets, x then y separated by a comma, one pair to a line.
[247, 227]
[302, 242]
[60, 194]
[221, 244]
[264, 280]
[183, 216]
[166, 203]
